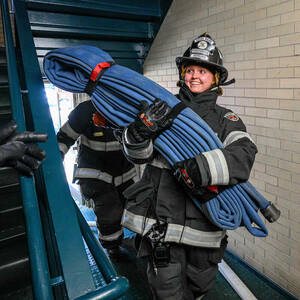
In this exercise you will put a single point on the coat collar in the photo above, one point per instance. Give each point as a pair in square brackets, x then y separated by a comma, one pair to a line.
[200, 103]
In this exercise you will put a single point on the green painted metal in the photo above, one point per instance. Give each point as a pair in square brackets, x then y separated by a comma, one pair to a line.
[87, 27]
[117, 286]
[36, 243]
[110, 25]
[144, 10]
[109, 292]
[76, 272]
[129, 54]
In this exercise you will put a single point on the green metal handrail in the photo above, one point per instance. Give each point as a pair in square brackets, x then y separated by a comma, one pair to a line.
[36, 243]
[116, 285]
[67, 226]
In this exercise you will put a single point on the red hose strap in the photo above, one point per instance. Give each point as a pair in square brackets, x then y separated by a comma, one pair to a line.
[96, 74]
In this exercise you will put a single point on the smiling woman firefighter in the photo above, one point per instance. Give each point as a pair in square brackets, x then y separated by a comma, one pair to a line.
[182, 246]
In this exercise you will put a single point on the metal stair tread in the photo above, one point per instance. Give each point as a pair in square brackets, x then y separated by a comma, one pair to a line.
[12, 233]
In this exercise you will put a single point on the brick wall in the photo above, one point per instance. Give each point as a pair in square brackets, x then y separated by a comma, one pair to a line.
[260, 40]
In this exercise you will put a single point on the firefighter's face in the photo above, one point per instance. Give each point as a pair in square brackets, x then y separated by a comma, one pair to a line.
[198, 79]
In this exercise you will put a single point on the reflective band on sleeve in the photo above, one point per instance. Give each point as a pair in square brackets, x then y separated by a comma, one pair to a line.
[175, 232]
[63, 148]
[217, 166]
[236, 135]
[68, 130]
[160, 162]
[110, 237]
[137, 151]
[100, 146]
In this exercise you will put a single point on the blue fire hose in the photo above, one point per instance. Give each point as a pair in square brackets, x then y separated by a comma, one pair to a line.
[118, 94]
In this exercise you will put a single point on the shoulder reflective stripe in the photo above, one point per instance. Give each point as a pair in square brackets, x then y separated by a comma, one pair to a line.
[92, 173]
[217, 166]
[136, 223]
[236, 135]
[68, 130]
[63, 148]
[125, 177]
[175, 232]
[100, 146]
[111, 237]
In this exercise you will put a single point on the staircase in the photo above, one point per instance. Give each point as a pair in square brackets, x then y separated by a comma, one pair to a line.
[123, 28]
[39, 263]
[15, 276]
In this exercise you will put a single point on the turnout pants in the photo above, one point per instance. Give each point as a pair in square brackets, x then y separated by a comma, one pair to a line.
[190, 274]
[108, 205]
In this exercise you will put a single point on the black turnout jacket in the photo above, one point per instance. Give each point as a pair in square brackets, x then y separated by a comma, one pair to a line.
[100, 155]
[158, 196]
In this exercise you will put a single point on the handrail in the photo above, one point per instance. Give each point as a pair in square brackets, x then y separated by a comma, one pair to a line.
[76, 271]
[36, 243]
[72, 261]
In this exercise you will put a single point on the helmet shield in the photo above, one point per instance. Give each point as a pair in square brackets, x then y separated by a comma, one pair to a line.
[204, 52]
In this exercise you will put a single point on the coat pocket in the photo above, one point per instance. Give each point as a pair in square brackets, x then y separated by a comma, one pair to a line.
[140, 194]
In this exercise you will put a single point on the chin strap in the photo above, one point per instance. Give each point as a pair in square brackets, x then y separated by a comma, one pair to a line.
[231, 81]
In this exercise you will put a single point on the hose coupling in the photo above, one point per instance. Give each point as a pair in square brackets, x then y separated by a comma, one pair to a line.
[271, 213]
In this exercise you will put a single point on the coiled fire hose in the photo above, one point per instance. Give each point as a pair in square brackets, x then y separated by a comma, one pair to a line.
[117, 92]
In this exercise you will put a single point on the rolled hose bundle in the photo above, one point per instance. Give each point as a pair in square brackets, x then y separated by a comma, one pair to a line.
[118, 94]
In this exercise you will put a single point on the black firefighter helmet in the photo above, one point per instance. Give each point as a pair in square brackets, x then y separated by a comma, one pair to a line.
[203, 52]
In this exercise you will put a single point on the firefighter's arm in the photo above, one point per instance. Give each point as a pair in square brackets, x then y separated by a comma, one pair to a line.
[78, 121]
[136, 149]
[137, 138]
[226, 166]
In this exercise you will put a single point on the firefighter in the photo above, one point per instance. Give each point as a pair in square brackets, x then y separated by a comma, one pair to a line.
[182, 246]
[103, 172]
[18, 149]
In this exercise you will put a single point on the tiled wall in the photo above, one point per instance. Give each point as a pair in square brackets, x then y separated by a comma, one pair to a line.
[260, 41]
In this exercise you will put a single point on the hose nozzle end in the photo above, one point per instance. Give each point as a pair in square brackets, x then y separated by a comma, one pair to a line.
[271, 213]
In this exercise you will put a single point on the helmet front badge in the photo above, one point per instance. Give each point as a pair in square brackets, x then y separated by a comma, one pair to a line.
[202, 45]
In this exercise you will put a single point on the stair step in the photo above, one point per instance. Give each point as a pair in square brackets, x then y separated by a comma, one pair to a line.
[11, 235]
[21, 294]
[8, 176]
[11, 218]
[14, 268]
[10, 196]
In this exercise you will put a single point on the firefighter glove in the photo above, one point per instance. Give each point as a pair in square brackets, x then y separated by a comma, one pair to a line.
[187, 173]
[17, 150]
[151, 120]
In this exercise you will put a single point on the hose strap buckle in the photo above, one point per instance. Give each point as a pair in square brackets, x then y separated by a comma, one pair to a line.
[96, 74]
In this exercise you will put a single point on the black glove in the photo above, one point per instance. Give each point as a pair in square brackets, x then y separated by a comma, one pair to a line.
[187, 173]
[151, 120]
[195, 181]
[17, 151]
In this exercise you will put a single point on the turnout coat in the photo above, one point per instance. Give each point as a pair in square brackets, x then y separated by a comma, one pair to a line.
[100, 155]
[158, 197]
